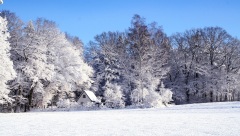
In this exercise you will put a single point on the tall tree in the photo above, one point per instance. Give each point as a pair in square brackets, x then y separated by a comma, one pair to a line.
[37, 69]
[15, 27]
[188, 67]
[72, 73]
[148, 49]
[6, 66]
[107, 65]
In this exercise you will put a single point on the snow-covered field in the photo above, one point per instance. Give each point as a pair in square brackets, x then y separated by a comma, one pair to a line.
[215, 119]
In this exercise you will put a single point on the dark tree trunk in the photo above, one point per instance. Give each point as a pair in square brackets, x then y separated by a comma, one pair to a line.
[188, 96]
[211, 96]
[18, 99]
[30, 96]
[25, 108]
[239, 96]
[226, 98]
[233, 96]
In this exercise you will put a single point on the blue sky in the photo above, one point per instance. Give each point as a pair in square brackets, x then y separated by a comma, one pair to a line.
[87, 18]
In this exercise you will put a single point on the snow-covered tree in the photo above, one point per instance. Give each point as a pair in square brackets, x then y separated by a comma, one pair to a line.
[139, 41]
[136, 61]
[141, 66]
[6, 66]
[75, 41]
[35, 68]
[188, 69]
[113, 95]
[72, 72]
[166, 94]
[47, 63]
[106, 61]
[203, 65]
[223, 57]
[63, 103]
[149, 52]
[15, 27]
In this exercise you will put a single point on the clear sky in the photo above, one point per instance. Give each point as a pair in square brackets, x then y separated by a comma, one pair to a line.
[87, 18]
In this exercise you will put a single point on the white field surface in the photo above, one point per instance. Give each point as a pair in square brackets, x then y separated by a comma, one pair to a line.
[212, 119]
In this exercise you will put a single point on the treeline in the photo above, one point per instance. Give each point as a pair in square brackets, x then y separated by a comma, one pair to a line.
[141, 67]
[130, 66]
[198, 65]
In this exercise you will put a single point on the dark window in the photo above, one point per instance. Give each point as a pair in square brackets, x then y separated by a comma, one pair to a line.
[84, 96]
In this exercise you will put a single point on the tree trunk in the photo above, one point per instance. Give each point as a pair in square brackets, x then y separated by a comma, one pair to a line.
[25, 108]
[188, 96]
[30, 96]
[18, 99]
[233, 96]
[226, 97]
[211, 96]
[17, 109]
[239, 96]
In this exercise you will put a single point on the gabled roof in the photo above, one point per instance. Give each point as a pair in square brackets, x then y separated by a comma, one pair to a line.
[91, 96]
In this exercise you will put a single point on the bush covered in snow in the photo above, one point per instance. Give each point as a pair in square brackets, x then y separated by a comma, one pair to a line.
[113, 95]
[63, 103]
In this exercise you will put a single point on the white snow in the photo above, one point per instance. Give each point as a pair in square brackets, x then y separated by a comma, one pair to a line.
[212, 119]
[91, 96]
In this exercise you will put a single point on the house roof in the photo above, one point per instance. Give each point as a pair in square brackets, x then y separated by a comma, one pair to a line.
[91, 96]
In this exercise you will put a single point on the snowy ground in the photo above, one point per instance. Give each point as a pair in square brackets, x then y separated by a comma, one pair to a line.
[215, 119]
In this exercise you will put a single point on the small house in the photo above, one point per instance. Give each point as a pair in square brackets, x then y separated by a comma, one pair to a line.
[87, 97]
